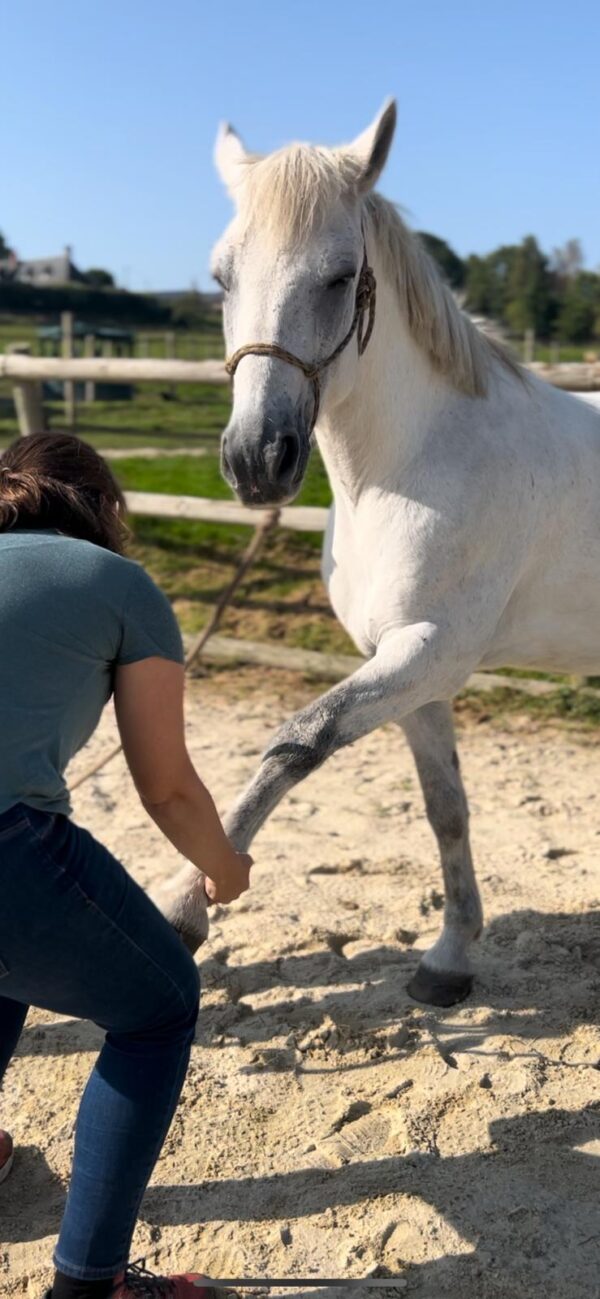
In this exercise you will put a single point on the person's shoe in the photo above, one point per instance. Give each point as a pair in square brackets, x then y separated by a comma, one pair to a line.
[138, 1283]
[7, 1154]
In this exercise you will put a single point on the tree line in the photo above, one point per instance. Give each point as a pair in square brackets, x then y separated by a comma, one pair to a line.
[524, 288]
[115, 306]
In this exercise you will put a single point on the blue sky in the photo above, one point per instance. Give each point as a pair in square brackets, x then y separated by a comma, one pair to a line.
[109, 110]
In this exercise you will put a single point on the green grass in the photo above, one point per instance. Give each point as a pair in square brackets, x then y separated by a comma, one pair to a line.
[19, 329]
[189, 415]
[281, 599]
[567, 351]
[572, 707]
[194, 415]
[189, 476]
[189, 344]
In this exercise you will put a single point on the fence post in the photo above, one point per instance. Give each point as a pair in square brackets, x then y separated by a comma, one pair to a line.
[29, 407]
[66, 322]
[89, 349]
[170, 353]
[28, 399]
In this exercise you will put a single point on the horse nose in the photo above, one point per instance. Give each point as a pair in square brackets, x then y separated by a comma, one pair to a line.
[263, 465]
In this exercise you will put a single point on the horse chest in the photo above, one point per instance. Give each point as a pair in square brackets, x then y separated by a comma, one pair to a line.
[352, 585]
[350, 605]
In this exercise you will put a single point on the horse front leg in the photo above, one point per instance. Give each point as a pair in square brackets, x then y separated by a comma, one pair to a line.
[400, 672]
[443, 975]
[408, 669]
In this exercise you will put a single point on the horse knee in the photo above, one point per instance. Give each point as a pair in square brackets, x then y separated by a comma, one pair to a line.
[303, 743]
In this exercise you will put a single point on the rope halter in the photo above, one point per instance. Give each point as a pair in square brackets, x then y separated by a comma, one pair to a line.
[363, 321]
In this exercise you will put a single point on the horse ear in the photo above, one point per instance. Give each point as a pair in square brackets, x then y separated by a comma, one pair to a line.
[370, 150]
[231, 157]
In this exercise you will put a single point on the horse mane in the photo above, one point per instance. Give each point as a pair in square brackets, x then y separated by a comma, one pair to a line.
[455, 346]
[289, 194]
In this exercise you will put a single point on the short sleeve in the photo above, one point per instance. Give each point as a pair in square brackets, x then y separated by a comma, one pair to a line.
[149, 626]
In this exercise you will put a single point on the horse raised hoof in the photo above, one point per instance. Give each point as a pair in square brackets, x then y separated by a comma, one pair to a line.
[183, 903]
[437, 987]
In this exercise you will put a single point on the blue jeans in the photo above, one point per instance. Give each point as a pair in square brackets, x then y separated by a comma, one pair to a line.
[79, 937]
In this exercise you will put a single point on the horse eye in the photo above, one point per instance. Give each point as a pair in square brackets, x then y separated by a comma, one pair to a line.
[341, 281]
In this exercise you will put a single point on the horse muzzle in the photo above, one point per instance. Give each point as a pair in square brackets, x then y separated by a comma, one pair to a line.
[264, 466]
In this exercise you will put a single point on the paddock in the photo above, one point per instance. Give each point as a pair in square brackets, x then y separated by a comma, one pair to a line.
[330, 1126]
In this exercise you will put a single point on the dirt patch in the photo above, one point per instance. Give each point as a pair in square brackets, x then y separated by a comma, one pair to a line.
[329, 1125]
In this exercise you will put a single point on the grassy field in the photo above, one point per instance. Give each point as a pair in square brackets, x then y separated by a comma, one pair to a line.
[188, 344]
[567, 351]
[283, 598]
[195, 345]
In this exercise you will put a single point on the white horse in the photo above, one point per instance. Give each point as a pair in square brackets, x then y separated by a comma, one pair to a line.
[465, 531]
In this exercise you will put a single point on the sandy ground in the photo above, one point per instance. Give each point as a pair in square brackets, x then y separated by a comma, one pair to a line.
[331, 1127]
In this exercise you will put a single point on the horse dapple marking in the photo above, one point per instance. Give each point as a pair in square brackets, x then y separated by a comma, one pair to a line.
[465, 530]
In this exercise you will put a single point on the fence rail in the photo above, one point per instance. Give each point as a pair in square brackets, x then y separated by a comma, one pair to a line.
[299, 518]
[101, 369]
[24, 368]
[29, 372]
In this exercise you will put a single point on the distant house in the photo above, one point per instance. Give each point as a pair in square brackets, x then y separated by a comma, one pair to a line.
[42, 271]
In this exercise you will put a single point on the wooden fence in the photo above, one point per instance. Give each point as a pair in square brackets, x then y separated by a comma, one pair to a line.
[27, 374]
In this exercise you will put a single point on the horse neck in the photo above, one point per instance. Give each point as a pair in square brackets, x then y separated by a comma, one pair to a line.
[367, 438]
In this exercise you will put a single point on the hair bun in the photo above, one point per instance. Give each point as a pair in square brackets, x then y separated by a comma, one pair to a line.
[53, 480]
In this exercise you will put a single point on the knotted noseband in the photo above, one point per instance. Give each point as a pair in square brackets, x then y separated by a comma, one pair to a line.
[363, 320]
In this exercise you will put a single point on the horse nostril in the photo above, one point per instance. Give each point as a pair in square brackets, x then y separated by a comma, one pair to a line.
[287, 458]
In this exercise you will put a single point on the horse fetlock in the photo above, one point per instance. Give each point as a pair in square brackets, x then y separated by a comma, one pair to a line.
[464, 916]
[183, 903]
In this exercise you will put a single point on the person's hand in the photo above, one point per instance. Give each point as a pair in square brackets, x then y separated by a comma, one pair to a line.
[232, 877]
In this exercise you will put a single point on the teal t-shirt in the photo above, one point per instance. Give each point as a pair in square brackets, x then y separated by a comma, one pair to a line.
[69, 613]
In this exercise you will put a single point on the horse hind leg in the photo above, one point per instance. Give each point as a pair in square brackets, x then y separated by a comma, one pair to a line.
[444, 975]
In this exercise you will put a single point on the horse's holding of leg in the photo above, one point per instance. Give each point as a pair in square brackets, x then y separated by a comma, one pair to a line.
[465, 530]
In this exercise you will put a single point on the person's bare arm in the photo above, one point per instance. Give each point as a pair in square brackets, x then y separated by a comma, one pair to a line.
[149, 708]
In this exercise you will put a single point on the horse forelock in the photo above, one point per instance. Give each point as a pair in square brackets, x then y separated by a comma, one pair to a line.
[290, 194]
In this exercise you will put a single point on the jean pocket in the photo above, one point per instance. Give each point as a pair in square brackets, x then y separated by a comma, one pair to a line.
[4, 970]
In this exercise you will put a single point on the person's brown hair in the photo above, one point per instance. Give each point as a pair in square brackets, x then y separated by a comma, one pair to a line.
[54, 480]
